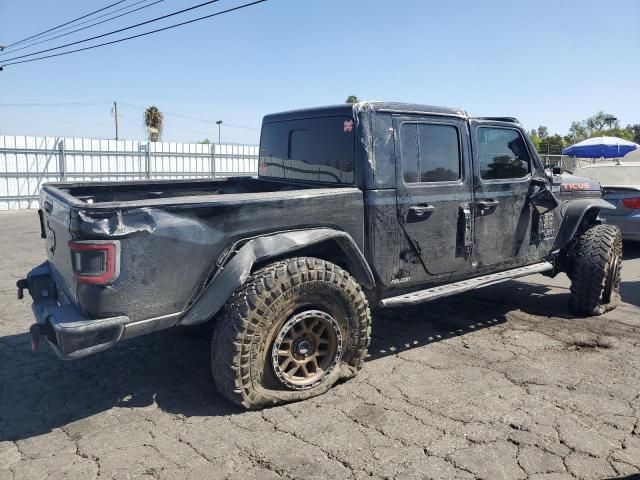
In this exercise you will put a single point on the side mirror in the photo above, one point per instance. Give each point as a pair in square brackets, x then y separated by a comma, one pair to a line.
[556, 170]
[539, 182]
[544, 201]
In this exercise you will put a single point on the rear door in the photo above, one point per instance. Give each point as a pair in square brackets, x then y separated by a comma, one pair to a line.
[502, 186]
[434, 191]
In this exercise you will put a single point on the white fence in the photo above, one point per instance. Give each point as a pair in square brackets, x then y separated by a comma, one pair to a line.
[27, 162]
[564, 161]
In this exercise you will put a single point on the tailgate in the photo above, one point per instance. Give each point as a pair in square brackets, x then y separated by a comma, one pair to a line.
[55, 215]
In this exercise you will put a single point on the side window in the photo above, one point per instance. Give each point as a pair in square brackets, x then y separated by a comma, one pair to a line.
[430, 152]
[502, 154]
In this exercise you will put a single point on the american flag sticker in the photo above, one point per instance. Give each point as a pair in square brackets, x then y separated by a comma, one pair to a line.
[348, 125]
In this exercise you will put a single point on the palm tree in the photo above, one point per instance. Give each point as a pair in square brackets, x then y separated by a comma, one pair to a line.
[351, 99]
[153, 120]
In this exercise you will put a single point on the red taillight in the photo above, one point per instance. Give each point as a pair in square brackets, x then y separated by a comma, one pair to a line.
[94, 262]
[632, 202]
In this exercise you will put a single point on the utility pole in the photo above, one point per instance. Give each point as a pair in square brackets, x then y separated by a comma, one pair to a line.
[115, 114]
[219, 123]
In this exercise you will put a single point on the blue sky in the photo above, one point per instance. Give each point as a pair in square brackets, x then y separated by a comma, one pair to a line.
[546, 62]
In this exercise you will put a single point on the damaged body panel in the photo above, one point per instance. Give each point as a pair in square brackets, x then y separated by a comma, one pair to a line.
[403, 197]
[248, 254]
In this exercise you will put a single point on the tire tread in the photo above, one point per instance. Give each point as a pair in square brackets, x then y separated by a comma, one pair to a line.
[590, 257]
[239, 323]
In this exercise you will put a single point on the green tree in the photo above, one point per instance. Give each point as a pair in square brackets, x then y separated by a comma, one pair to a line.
[351, 99]
[535, 139]
[635, 132]
[153, 119]
[597, 122]
[552, 145]
[577, 132]
[598, 125]
[543, 132]
[615, 132]
[206, 141]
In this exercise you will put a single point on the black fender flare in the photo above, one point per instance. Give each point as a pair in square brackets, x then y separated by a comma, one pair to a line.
[237, 265]
[574, 213]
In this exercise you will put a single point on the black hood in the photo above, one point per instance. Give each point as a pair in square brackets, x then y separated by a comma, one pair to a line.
[575, 184]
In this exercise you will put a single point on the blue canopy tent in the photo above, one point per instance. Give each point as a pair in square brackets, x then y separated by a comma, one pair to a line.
[601, 147]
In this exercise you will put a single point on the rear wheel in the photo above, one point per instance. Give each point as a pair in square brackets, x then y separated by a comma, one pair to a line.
[306, 349]
[289, 333]
[596, 259]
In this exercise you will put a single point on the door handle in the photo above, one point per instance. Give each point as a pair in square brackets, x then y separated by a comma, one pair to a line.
[487, 203]
[487, 206]
[421, 210]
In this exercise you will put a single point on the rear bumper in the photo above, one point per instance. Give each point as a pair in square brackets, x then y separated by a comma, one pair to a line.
[69, 332]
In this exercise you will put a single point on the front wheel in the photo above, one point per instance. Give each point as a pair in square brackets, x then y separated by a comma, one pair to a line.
[289, 333]
[596, 259]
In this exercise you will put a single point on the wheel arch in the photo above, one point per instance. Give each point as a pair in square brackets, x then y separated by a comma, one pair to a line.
[578, 214]
[248, 255]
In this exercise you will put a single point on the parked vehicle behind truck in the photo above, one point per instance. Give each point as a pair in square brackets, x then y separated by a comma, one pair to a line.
[620, 182]
[354, 207]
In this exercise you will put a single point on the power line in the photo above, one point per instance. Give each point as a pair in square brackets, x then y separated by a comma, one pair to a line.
[243, 127]
[200, 5]
[63, 24]
[59, 104]
[164, 127]
[173, 127]
[88, 26]
[57, 30]
[133, 36]
[168, 127]
[130, 105]
[197, 119]
[131, 119]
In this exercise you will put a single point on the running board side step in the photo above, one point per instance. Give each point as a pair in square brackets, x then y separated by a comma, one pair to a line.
[464, 285]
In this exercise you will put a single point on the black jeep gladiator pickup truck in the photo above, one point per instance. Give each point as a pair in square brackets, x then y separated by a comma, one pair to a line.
[354, 206]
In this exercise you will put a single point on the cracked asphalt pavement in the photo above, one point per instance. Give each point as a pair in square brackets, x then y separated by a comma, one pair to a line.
[498, 383]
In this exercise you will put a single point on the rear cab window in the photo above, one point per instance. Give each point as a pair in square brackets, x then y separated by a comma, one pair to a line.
[502, 154]
[318, 150]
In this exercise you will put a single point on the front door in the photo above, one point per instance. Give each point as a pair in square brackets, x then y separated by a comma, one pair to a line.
[502, 186]
[434, 196]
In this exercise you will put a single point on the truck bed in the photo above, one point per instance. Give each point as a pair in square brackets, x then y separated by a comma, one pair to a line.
[171, 233]
[159, 192]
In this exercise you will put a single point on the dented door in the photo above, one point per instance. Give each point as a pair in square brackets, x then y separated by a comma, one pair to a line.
[503, 163]
[434, 192]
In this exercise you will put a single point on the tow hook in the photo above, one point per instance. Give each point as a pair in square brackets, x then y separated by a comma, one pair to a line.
[35, 336]
[21, 284]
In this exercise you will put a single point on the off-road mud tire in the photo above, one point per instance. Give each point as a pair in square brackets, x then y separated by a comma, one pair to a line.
[245, 330]
[596, 258]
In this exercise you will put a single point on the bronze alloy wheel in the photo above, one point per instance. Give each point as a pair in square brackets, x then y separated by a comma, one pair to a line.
[290, 332]
[613, 277]
[306, 349]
